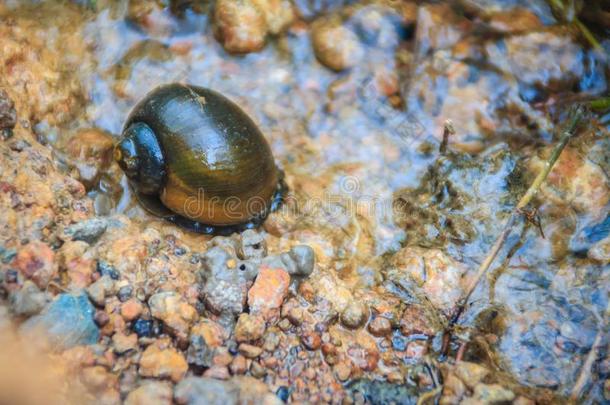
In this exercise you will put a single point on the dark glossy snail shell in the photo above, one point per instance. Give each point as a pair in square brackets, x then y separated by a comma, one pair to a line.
[195, 158]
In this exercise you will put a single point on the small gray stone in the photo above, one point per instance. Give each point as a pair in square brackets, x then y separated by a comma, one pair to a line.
[305, 258]
[215, 260]
[253, 245]
[87, 231]
[106, 269]
[125, 293]
[99, 290]
[205, 391]
[199, 353]
[68, 321]
[221, 296]
[228, 243]
[28, 301]
[282, 261]
[299, 261]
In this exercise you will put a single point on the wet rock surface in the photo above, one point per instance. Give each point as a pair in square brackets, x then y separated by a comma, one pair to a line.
[335, 302]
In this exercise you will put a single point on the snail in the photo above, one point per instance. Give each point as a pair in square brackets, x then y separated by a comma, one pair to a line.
[195, 158]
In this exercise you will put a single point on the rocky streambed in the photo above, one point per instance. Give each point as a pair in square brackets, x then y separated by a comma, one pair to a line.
[344, 294]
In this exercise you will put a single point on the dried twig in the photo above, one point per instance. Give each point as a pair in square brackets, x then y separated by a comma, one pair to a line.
[448, 129]
[575, 117]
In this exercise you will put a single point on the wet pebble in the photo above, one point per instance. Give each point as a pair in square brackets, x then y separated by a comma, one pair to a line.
[88, 231]
[335, 45]
[330, 353]
[239, 25]
[239, 365]
[36, 262]
[299, 261]
[311, 340]
[131, 309]
[124, 343]
[283, 393]
[279, 14]
[199, 353]
[304, 258]
[270, 288]
[171, 308]
[249, 351]
[249, 328]
[101, 318]
[162, 363]
[106, 269]
[217, 372]
[272, 340]
[27, 301]
[257, 370]
[354, 315]
[415, 322]
[380, 326]
[470, 373]
[144, 328]
[222, 296]
[125, 293]
[295, 315]
[99, 290]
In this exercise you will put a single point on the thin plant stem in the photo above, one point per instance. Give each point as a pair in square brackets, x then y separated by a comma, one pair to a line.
[600, 103]
[559, 5]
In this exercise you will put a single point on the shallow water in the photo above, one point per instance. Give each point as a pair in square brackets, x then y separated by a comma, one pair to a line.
[349, 154]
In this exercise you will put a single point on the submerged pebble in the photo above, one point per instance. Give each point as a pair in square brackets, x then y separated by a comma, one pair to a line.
[354, 315]
[335, 45]
[66, 322]
[27, 301]
[239, 25]
[87, 231]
